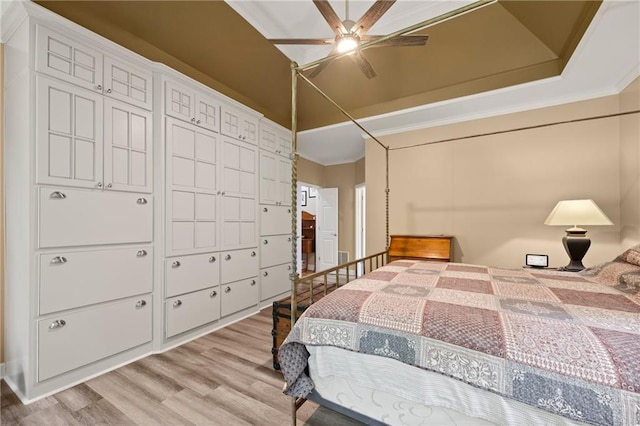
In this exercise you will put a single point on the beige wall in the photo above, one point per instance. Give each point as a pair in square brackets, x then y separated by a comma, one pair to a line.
[310, 172]
[1, 205]
[630, 166]
[493, 193]
[360, 171]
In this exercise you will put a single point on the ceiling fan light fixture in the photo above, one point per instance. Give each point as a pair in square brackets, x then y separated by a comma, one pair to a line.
[347, 43]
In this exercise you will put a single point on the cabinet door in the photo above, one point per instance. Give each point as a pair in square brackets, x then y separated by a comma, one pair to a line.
[68, 134]
[71, 340]
[238, 264]
[128, 142]
[128, 83]
[275, 220]
[249, 129]
[185, 274]
[269, 185]
[192, 310]
[268, 138]
[275, 250]
[275, 281]
[179, 101]
[238, 125]
[207, 112]
[239, 295]
[68, 60]
[284, 181]
[192, 189]
[284, 144]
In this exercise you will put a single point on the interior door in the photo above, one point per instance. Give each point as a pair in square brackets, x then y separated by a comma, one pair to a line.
[327, 229]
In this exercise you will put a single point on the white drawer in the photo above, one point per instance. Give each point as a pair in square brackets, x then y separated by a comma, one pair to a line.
[274, 250]
[238, 264]
[190, 273]
[73, 279]
[75, 217]
[274, 281]
[72, 340]
[239, 295]
[192, 310]
[275, 220]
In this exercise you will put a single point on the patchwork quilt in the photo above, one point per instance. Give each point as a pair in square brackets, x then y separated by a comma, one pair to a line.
[563, 342]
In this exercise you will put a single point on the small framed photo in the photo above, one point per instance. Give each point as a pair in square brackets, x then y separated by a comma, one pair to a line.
[303, 198]
[313, 192]
[537, 260]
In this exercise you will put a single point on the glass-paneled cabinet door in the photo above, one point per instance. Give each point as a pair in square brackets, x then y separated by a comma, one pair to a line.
[128, 83]
[68, 134]
[128, 157]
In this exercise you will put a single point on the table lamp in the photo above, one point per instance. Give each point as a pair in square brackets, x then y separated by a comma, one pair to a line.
[576, 212]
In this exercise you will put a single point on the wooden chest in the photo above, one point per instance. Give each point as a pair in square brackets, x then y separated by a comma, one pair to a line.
[421, 247]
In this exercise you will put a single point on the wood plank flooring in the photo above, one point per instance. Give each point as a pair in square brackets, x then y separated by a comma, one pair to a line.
[223, 378]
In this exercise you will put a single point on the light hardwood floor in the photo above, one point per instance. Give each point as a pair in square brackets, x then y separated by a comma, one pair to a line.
[223, 378]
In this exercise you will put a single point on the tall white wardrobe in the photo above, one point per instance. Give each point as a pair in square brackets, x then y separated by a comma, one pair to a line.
[143, 209]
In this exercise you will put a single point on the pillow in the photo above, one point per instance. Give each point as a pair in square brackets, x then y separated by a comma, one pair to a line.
[631, 256]
[621, 275]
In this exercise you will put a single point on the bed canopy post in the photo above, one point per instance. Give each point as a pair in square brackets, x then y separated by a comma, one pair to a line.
[294, 189]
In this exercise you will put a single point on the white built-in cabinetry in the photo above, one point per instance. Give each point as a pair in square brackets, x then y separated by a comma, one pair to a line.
[144, 209]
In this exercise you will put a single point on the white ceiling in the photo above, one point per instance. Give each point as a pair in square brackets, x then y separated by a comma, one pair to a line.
[607, 59]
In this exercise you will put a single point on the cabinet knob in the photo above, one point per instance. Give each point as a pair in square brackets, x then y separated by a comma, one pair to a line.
[139, 200]
[57, 324]
[58, 195]
[222, 193]
[213, 293]
[253, 254]
[109, 185]
[265, 242]
[198, 122]
[99, 87]
[265, 209]
[253, 282]
[288, 210]
[212, 259]
[227, 257]
[99, 184]
[227, 290]
[177, 303]
[289, 268]
[108, 90]
[176, 264]
[193, 120]
[289, 239]
[265, 274]
[141, 253]
[58, 260]
[141, 303]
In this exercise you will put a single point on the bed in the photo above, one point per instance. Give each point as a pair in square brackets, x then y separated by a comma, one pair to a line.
[520, 346]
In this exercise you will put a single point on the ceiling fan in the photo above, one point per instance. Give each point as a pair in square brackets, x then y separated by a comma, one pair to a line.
[349, 35]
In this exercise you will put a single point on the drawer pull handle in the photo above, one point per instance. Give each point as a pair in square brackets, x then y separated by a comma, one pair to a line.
[59, 259]
[265, 242]
[58, 195]
[227, 257]
[227, 290]
[265, 209]
[253, 254]
[213, 293]
[57, 324]
[212, 259]
[141, 253]
[177, 303]
[265, 274]
[140, 200]
[176, 264]
[253, 282]
[141, 303]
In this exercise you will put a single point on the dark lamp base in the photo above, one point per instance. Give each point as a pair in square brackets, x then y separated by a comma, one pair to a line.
[576, 247]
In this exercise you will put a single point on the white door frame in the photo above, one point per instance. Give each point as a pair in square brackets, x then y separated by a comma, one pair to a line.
[360, 224]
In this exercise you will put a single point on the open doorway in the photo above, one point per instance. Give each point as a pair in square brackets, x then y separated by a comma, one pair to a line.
[307, 211]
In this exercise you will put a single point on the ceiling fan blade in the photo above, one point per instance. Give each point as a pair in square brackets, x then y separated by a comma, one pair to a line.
[364, 65]
[406, 40]
[330, 16]
[372, 15]
[321, 41]
[317, 70]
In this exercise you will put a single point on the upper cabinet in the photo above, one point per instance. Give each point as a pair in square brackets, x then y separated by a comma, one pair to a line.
[87, 67]
[87, 141]
[190, 105]
[239, 124]
[275, 138]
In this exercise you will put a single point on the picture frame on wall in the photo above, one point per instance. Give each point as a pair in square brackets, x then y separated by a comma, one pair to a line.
[313, 192]
[303, 198]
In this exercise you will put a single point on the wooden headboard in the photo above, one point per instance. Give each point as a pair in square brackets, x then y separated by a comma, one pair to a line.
[421, 247]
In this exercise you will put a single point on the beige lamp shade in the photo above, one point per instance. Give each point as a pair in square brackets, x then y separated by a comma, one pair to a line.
[577, 212]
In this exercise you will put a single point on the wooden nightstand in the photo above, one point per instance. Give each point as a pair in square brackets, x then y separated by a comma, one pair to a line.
[421, 247]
